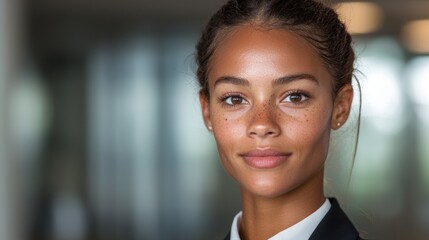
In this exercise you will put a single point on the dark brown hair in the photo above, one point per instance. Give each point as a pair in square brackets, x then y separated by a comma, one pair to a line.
[312, 20]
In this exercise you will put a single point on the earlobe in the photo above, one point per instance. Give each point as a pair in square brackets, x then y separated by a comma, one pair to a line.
[342, 106]
[205, 109]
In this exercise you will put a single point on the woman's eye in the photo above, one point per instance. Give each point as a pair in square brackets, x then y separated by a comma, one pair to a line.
[235, 100]
[296, 98]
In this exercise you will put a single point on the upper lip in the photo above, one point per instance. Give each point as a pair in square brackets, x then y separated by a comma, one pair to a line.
[264, 153]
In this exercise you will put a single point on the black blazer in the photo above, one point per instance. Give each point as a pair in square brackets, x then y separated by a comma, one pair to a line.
[334, 226]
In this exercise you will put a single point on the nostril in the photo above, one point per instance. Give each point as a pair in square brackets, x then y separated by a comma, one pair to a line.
[253, 133]
[262, 133]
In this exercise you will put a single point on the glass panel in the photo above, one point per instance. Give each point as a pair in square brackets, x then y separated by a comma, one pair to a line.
[123, 139]
[418, 76]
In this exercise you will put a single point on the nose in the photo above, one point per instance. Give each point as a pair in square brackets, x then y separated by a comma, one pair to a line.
[263, 123]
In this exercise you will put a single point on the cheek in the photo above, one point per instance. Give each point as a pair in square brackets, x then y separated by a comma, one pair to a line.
[227, 129]
[310, 126]
[228, 134]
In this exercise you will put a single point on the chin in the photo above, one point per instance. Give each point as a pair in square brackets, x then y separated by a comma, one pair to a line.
[268, 188]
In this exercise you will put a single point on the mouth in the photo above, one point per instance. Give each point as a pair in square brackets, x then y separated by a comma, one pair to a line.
[265, 159]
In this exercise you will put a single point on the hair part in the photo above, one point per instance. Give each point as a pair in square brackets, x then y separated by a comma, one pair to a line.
[309, 19]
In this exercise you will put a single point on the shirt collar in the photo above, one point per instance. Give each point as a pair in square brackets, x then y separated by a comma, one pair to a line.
[299, 231]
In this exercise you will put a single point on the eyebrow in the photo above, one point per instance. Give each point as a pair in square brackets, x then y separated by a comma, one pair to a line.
[276, 82]
[232, 80]
[295, 77]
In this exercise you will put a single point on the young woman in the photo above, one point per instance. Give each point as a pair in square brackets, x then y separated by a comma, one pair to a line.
[275, 79]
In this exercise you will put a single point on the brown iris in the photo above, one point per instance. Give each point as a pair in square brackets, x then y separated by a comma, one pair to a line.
[296, 98]
[236, 100]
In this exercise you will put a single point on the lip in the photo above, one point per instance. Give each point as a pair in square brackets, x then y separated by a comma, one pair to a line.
[265, 159]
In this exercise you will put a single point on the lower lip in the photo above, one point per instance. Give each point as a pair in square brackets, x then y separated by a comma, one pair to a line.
[265, 162]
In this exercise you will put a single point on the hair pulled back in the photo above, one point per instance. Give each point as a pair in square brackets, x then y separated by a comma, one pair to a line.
[311, 20]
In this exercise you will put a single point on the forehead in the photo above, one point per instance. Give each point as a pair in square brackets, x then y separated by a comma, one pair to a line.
[250, 52]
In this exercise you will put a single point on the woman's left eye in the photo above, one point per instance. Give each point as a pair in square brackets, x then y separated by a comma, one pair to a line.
[295, 98]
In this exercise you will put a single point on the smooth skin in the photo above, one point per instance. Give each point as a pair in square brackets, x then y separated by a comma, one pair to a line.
[269, 90]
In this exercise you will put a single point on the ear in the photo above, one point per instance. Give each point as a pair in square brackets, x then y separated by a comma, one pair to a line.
[342, 106]
[205, 109]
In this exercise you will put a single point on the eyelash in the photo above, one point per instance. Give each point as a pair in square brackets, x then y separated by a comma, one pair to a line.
[223, 98]
[297, 92]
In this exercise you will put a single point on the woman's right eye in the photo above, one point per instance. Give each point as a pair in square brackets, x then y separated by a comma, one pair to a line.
[234, 100]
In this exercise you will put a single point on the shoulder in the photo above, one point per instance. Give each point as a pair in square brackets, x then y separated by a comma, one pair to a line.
[335, 225]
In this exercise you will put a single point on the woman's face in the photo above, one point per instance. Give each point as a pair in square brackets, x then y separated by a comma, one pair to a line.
[270, 109]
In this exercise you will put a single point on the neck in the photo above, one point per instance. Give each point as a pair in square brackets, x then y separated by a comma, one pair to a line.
[263, 217]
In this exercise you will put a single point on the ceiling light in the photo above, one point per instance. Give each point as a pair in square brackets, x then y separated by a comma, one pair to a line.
[360, 17]
[415, 35]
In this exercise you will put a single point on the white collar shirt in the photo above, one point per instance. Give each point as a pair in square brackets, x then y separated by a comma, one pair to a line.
[299, 231]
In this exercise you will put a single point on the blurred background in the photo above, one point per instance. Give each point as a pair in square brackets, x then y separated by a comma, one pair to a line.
[101, 136]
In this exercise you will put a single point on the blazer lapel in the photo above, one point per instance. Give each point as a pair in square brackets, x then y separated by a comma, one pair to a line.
[228, 237]
[335, 225]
